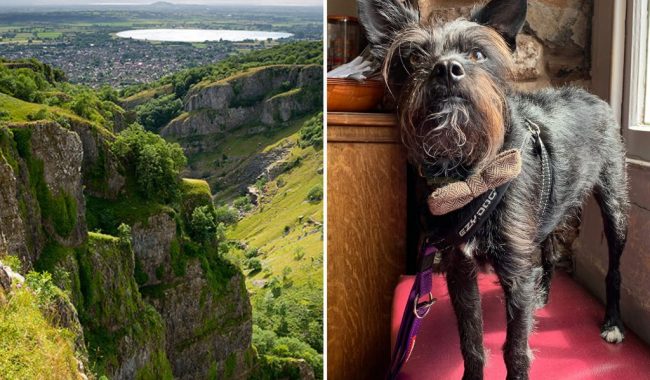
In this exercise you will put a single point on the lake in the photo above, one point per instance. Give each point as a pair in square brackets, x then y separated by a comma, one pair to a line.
[200, 35]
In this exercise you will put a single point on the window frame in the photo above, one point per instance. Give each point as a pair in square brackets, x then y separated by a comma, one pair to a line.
[636, 81]
[616, 68]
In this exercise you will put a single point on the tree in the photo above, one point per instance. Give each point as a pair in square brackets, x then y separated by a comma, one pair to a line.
[203, 225]
[108, 93]
[154, 163]
[226, 215]
[83, 105]
[24, 88]
[154, 114]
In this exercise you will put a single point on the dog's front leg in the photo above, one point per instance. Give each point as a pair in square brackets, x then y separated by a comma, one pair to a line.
[465, 297]
[518, 282]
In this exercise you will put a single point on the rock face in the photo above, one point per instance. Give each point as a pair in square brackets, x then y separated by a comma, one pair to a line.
[128, 334]
[100, 174]
[252, 86]
[266, 165]
[207, 329]
[12, 230]
[152, 242]
[202, 317]
[61, 152]
[41, 172]
[259, 98]
[207, 332]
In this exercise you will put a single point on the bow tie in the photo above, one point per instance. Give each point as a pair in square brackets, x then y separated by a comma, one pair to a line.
[505, 167]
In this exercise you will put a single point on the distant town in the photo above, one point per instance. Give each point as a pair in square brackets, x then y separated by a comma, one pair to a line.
[82, 42]
[118, 62]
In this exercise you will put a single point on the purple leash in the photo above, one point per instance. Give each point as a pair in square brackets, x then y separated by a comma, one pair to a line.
[472, 217]
[476, 214]
[414, 311]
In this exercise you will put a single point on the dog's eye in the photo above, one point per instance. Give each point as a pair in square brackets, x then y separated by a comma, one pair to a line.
[477, 56]
[414, 59]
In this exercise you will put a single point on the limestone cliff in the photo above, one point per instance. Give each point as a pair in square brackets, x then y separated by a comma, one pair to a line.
[257, 99]
[202, 300]
[195, 324]
[42, 191]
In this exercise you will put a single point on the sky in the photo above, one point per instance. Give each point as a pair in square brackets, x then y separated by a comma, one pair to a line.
[14, 3]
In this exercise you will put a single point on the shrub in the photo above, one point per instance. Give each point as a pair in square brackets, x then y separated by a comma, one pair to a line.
[315, 195]
[43, 286]
[311, 133]
[299, 254]
[41, 114]
[203, 227]
[108, 93]
[252, 252]
[254, 264]
[84, 105]
[124, 234]
[243, 204]
[226, 215]
[11, 261]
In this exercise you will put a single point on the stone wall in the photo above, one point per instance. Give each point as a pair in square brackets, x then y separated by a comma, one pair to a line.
[554, 47]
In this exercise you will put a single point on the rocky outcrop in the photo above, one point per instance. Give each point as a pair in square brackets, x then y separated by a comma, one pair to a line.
[266, 165]
[252, 86]
[125, 334]
[206, 331]
[61, 153]
[262, 96]
[100, 169]
[12, 229]
[40, 170]
[206, 309]
[152, 244]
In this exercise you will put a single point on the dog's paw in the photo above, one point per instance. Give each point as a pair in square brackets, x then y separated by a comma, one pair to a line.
[612, 334]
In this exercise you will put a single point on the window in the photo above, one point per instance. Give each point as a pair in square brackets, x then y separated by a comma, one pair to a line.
[636, 92]
[621, 69]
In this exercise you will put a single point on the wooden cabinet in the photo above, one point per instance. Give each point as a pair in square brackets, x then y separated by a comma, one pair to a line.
[366, 241]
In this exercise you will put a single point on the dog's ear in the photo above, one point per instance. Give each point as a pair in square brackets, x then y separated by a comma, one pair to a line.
[505, 16]
[382, 20]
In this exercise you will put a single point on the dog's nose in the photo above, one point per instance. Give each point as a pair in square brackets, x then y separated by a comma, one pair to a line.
[449, 69]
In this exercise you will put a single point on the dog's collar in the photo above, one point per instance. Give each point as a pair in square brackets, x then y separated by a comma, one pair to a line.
[477, 196]
[451, 194]
[504, 168]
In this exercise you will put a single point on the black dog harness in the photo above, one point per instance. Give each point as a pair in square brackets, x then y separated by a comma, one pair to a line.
[477, 212]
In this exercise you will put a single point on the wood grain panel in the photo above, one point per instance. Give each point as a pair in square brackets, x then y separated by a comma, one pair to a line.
[366, 250]
[362, 134]
[356, 119]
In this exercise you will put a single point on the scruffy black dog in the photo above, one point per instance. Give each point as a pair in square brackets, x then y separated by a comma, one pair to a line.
[457, 112]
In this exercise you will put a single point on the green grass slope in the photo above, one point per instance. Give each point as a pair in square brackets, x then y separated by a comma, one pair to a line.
[280, 244]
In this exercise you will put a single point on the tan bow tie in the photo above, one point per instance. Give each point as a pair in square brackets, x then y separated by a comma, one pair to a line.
[505, 167]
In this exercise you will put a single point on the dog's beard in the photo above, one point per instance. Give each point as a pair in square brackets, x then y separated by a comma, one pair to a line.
[456, 133]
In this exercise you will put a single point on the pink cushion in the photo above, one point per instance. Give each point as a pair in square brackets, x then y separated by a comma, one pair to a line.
[566, 341]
